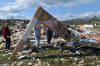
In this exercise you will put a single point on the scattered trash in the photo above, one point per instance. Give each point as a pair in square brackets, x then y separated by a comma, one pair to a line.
[21, 63]
[25, 52]
[94, 41]
[14, 63]
[82, 61]
[77, 52]
[7, 54]
[5, 64]
[34, 53]
[87, 31]
[23, 57]
[38, 60]
[84, 40]
[2, 46]
[75, 59]
[62, 59]
[29, 63]
[33, 58]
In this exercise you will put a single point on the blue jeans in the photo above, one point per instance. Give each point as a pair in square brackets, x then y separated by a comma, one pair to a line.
[37, 42]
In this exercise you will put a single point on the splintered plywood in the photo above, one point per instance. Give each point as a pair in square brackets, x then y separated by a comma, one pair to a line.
[42, 15]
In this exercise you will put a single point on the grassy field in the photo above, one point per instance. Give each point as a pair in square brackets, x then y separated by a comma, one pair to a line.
[52, 57]
[98, 26]
[10, 26]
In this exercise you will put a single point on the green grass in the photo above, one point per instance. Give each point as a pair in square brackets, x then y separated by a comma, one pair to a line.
[98, 26]
[53, 57]
[4, 59]
[12, 26]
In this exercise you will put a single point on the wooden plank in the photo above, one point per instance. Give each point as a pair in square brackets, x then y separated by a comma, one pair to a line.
[42, 15]
[16, 49]
[24, 38]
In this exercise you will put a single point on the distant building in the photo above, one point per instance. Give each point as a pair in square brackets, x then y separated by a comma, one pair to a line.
[88, 26]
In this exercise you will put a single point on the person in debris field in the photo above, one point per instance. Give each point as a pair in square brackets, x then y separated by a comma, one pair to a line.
[2, 29]
[68, 35]
[37, 30]
[0, 33]
[49, 35]
[23, 25]
[6, 34]
[55, 36]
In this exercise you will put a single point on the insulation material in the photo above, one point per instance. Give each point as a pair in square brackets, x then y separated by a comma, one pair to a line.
[2, 46]
[82, 27]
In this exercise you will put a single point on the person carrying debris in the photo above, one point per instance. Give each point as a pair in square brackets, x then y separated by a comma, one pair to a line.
[37, 30]
[6, 35]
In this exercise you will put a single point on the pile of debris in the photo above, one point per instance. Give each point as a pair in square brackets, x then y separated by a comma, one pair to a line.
[2, 43]
[16, 35]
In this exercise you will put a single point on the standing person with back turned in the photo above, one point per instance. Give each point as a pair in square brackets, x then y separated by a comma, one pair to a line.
[6, 35]
[49, 35]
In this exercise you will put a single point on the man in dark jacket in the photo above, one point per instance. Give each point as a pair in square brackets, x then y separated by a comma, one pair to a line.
[6, 35]
[49, 35]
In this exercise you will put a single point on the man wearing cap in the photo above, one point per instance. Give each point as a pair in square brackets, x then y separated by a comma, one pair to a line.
[37, 29]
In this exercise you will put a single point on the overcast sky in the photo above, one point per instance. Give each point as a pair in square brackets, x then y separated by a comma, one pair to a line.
[61, 9]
